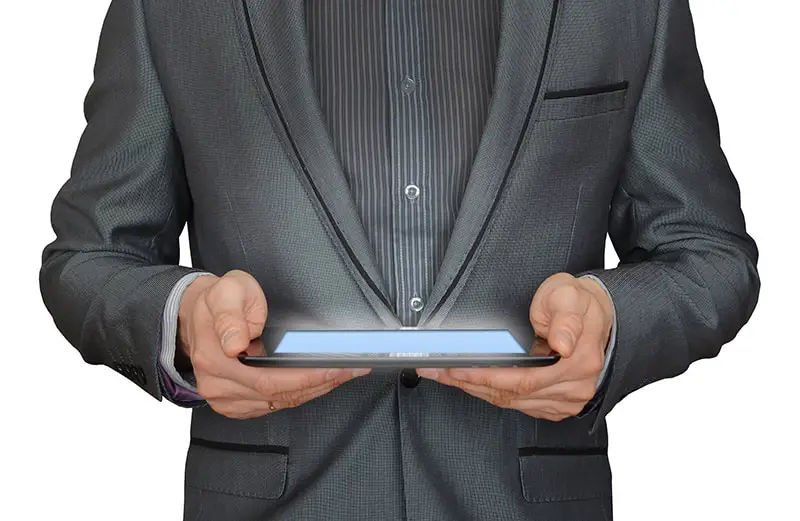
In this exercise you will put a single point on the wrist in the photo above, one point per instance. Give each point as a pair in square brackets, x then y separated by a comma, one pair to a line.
[596, 288]
[189, 299]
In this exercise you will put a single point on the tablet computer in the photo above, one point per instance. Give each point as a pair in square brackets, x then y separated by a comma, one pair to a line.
[399, 348]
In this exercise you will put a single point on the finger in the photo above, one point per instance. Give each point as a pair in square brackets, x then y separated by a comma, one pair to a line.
[567, 308]
[215, 388]
[497, 396]
[256, 348]
[540, 347]
[289, 380]
[586, 361]
[237, 408]
[341, 378]
[543, 408]
[543, 377]
[576, 391]
[501, 398]
[552, 410]
[565, 329]
[539, 313]
[240, 409]
[227, 302]
[255, 309]
[557, 311]
[511, 379]
[207, 355]
[208, 358]
[296, 399]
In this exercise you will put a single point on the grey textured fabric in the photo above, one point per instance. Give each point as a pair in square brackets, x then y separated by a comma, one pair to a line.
[206, 112]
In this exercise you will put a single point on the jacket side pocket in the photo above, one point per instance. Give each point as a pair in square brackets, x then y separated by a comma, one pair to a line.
[255, 471]
[551, 477]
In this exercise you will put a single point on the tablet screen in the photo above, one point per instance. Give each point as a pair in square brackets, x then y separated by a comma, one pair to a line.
[400, 341]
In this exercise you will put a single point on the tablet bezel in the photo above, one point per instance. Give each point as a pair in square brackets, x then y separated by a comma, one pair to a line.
[272, 337]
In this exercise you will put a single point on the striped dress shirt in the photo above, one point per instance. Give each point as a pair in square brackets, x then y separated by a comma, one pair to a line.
[404, 87]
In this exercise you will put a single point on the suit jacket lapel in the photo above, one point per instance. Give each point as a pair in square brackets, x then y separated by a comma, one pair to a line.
[276, 45]
[525, 41]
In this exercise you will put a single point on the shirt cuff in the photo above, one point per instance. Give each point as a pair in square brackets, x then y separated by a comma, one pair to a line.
[175, 387]
[612, 340]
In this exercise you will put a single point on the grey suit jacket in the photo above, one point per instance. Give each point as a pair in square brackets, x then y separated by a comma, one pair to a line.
[204, 112]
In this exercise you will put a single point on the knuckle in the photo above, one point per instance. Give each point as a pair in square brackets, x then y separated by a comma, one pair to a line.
[220, 289]
[566, 293]
[226, 320]
[263, 385]
[526, 386]
[501, 399]
[231, 280]
[284, 396]
[236, 276]
[559, 278]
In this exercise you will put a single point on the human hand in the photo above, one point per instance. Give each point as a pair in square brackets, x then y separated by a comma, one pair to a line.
[217, 320]
[575, 316]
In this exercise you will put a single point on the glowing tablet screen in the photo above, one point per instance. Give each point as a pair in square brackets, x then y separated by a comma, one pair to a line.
[400, 341]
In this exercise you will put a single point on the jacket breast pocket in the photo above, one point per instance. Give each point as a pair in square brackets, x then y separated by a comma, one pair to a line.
[549, 477]
[254, 471]
[583, 102]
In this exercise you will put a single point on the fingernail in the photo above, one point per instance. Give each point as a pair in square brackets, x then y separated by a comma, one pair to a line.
[360, 372]
[333, 373]
[227, 335]
[430, 374]
[565, 339]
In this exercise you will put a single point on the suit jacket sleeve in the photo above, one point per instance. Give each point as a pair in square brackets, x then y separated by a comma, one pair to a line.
[687, 280]
[106, 277]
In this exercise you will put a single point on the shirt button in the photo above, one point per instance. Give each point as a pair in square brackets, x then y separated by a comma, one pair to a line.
[408, 85]
[412, 192]
[417, 304]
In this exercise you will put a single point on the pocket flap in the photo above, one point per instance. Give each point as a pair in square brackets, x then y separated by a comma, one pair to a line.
[583, 102]
[257, 471]
[549, 477]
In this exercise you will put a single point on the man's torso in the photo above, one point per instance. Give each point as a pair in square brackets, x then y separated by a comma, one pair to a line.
[276, 194]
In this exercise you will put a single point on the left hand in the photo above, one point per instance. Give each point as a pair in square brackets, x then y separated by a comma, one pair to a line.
[575, 316]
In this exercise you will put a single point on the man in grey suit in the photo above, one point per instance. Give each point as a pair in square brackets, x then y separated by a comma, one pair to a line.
[380, 164]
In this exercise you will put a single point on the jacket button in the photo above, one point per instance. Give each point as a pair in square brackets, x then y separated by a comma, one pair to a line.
[409, 378]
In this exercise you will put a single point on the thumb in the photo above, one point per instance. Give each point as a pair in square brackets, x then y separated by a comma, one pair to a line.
[228, 302]
[564, 331]
[233, 339]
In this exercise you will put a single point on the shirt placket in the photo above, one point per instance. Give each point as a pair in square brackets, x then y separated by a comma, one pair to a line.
[409, 173]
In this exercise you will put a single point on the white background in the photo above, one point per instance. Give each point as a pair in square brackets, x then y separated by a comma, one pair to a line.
[720, 442]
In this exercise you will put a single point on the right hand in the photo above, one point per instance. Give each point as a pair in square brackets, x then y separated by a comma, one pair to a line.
[218, 318]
